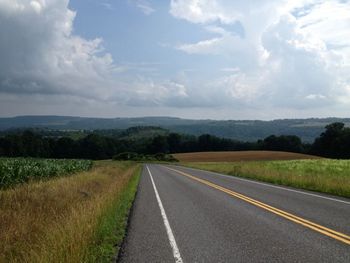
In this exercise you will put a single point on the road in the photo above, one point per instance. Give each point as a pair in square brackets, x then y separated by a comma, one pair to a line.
[188, 215]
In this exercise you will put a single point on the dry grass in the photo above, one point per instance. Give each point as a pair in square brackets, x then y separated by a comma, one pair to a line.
[240, 156]
[56, 220]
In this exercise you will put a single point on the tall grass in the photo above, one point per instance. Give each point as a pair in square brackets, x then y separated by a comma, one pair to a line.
[323, 175]
[62, 220]
[112, 224]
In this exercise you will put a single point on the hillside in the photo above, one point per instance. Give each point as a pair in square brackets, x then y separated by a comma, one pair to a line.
[244, 130]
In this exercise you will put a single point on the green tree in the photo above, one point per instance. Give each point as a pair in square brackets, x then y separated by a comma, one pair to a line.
[334, 142]
[174, 142]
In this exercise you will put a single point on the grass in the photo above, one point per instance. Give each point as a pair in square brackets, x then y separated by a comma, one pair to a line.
[79, 218]
[322, 175]
[233, 156]
[112, 224]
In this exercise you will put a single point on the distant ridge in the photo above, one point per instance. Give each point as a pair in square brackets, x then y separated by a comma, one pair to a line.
[246, 130]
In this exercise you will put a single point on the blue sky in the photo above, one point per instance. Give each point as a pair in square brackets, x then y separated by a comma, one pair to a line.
[145, 40]
[217, 59]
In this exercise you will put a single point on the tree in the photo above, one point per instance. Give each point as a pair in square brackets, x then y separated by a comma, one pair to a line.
[174, 142]
[159, 145]
[65, 148]
[94, 147]
[334, 142]
[289, 143]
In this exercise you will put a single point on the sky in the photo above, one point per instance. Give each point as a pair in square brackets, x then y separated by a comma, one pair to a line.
[216, 59]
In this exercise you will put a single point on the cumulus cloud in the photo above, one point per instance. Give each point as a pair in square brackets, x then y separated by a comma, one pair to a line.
[39, 53]
[292, 54]
[271, 53]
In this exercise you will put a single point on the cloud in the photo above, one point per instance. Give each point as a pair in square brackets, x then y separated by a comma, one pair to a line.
[204, 11]
[107, 5]
[270, 54]
[292, 54]
[145, 6]
[40, 54]
[150, 93]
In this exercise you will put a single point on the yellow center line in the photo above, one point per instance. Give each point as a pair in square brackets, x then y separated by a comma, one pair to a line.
[316, 227]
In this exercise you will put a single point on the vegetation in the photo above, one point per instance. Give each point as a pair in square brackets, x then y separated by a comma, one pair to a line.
[334, 143]
[79, 218]
[241, 156]
[112, 223]
[323, 175]
[132, 156]
[243, 130]
[21, 170]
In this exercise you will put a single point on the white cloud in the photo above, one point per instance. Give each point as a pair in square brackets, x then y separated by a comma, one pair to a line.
[202, 11]
[147, 92]
[315, 97]
[292, 52]
[145, 6]
[291, 55]
[36, 6]
[39, 53]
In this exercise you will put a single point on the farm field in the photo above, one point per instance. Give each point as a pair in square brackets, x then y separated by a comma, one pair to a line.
[240, 156]
[78, 218]
[22, 170]
[322, 175]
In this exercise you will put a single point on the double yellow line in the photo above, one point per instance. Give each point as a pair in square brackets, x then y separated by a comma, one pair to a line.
[316, 227]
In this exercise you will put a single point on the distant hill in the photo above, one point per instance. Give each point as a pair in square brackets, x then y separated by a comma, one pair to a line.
[245, 130]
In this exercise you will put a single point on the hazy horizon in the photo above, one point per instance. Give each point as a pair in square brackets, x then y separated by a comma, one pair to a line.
[218, 59]
[177, 117]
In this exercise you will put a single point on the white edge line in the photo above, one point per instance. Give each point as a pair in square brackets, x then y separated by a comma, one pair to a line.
[171, 237]
[274, 186]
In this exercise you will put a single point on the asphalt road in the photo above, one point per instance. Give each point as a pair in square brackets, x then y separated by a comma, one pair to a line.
[187, 215]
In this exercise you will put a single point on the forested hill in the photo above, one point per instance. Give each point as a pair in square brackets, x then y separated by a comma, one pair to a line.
[243, 130]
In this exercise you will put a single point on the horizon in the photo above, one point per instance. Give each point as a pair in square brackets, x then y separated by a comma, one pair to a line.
[172, 117]
[215, 60]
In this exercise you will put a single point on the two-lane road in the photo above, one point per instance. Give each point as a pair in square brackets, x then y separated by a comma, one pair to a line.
[187, 215]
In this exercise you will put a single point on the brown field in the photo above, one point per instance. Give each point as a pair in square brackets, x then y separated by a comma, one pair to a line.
[240, 156]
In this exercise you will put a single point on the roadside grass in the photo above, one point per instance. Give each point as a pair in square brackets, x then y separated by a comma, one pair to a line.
[113, 222]
[322, 175]
[79, 218]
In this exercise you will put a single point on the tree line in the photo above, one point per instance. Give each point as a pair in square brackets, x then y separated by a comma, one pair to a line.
[334, 142]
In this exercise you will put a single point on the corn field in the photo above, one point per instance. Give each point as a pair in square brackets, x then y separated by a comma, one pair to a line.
[15, 171]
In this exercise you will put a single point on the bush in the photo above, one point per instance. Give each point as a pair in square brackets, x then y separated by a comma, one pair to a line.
[131, 156]
[127, 156]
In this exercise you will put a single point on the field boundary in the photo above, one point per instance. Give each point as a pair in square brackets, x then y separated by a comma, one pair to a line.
[238, 156]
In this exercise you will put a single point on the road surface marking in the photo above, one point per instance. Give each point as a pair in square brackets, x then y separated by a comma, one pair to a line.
[270, 185]
[171, 237]
[321, 229]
